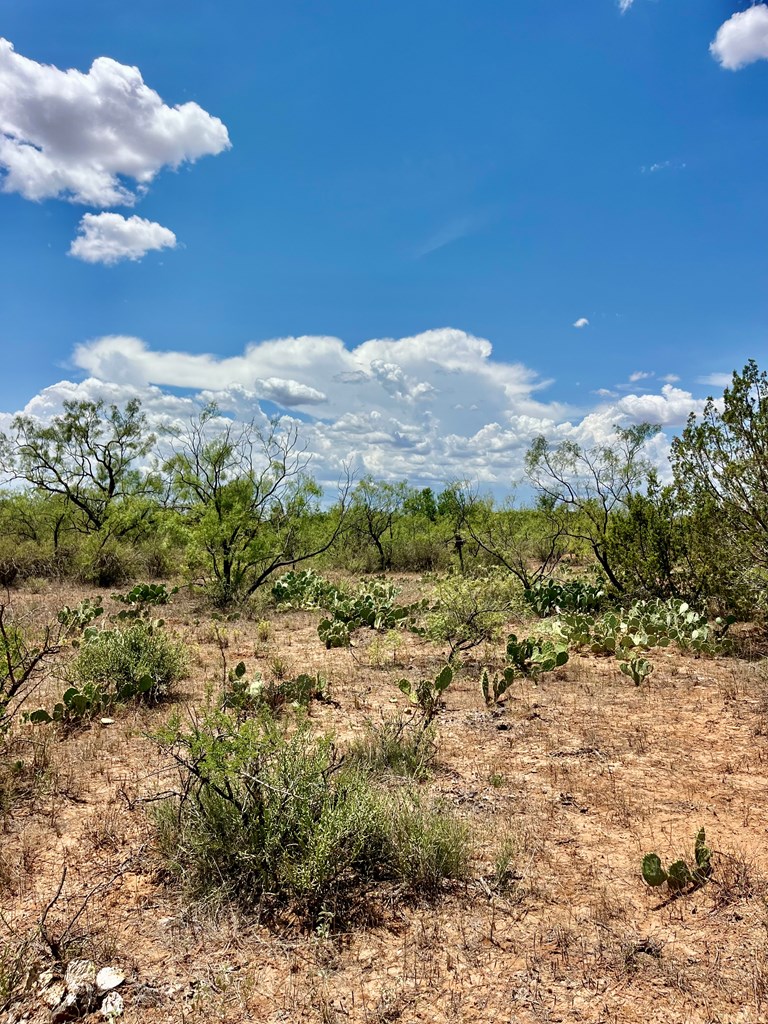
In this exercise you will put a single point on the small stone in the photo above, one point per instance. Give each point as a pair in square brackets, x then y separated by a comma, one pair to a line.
[112, 1006]
[107, 721]
[80, 976]
[145, 996]
[53, 993]
[109, 978]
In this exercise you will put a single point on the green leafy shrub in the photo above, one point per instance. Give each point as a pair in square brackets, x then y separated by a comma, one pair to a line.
[680, 875]
[470, 610]
[105, 564]
[280, 819]
[115, 658]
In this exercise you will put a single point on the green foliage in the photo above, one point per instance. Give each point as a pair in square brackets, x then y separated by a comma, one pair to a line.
[532, 656]
[424, 845]
[547, 597]
[651, 545]
[646, 625]
[583, 487]
[142, 598]
[427, 694]
[117, 658]
[680, 875]
[103, 562]
[470, 610]
[637, 669]
[375, 508]
[719, 464]
[250, 508]
[85, 457]
[275, 819]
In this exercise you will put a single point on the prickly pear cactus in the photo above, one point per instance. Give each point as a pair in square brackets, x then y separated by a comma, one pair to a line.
[653, 873]
[679, 875]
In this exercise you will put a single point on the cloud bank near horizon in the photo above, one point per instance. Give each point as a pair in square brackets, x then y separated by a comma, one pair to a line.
[432, 407]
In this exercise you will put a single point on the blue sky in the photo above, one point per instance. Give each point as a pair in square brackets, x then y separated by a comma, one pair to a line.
[394, 169]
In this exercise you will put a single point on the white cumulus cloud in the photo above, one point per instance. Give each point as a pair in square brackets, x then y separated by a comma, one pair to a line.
[742, 39]
[581, 322]
[110, 237]
[79, 135]
[624, 5]
[669, 409]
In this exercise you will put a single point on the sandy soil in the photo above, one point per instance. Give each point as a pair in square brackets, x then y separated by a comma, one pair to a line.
[580, 775]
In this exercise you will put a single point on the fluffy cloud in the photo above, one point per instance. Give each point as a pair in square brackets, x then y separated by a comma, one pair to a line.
[624, 5]
[639, 375]
[581, 322]
[430, 408]
[78, 135]
[669, 409]
[742, 39]
[109, 238]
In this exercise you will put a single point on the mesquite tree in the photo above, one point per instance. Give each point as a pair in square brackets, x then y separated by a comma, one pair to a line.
[249, 503]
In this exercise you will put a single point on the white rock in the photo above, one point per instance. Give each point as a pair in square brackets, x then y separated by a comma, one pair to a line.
[80, 976]
[112, 1006]
[109, 978]
[53, 993]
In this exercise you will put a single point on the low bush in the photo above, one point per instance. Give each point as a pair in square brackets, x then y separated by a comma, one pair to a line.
[469, 610]
[425, 843]
[281, 819]
[105, 565]
[125, 656]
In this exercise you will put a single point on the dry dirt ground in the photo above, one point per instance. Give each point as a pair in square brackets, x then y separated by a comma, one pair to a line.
[580, 776]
